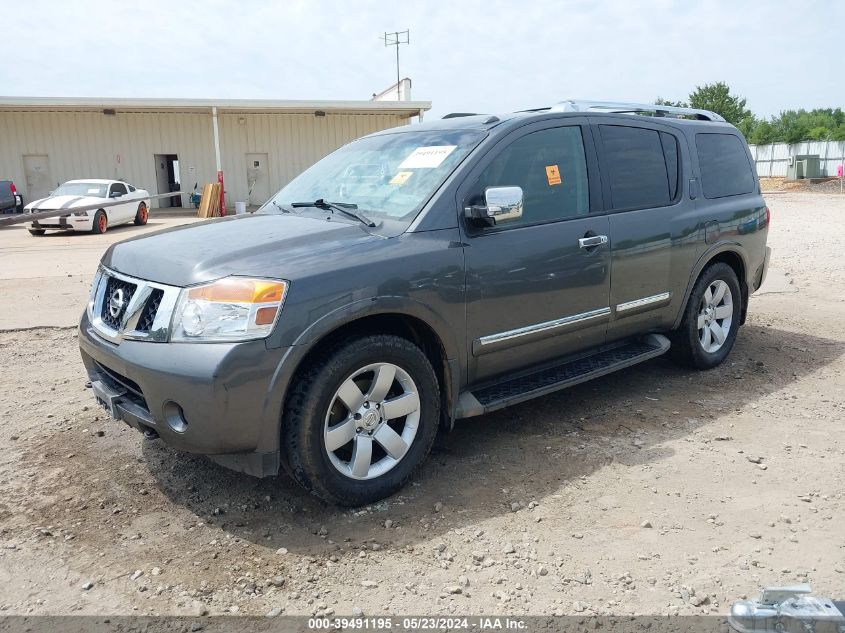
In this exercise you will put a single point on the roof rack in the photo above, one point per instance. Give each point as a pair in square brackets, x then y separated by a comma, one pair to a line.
[491, 118]
[571, 105]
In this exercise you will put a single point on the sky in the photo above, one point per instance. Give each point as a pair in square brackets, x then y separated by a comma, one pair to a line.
[471, 56]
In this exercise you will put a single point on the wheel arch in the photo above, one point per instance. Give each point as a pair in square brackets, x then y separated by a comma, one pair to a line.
[400, 318]
[729, 253]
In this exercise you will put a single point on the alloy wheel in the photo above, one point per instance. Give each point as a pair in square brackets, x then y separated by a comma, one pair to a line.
[715, 315]
[372, 421]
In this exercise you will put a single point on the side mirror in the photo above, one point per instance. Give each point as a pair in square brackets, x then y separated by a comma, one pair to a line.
[501, 204]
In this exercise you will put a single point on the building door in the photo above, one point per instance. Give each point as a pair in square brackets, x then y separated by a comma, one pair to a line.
[37, 172]
[168, 178]
[257, 179]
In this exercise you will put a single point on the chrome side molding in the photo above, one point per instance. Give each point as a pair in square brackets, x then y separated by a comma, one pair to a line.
[644, 302]
[492, 342]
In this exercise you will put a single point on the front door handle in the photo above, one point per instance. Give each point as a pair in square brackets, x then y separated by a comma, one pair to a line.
[590, 242]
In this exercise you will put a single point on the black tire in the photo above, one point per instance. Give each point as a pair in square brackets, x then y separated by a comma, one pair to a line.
[141, 215]
[37, 232]
[101, 223]
[303, 446]
[687, 349]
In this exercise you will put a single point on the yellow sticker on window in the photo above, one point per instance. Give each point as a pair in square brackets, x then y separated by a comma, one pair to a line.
[553, 175]
[401, 177]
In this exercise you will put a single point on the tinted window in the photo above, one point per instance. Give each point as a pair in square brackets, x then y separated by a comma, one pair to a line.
[725, 169]
[131, 188]
[118, 189]
[551, 168]
[670, 153]
[638, 175]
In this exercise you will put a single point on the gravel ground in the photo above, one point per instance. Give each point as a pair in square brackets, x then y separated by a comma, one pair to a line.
[655, 490]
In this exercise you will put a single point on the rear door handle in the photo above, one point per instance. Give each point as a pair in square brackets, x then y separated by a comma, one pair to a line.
[590, 242]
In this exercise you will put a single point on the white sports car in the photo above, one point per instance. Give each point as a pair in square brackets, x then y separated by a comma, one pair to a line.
[133, 206]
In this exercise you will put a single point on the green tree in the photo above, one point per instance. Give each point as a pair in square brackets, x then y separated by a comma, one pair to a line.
[717, 98]
[667, 102]
[790, 126]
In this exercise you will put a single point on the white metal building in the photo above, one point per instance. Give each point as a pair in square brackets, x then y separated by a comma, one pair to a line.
[167, 145]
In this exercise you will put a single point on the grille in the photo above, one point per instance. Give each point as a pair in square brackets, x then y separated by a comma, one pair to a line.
[117, 381]
[112, 286]
[148, 315]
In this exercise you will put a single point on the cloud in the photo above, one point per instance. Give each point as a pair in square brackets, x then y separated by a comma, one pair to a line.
[486, 56]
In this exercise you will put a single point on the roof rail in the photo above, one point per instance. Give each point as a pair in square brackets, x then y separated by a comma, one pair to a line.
[491, 118]
[572, 105]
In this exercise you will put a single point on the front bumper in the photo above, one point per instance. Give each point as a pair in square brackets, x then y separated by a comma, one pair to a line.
[65, 223]
[220, 399]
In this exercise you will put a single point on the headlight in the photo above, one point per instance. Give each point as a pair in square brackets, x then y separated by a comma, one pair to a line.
[93, 294]
[78, 213]
[230, 309]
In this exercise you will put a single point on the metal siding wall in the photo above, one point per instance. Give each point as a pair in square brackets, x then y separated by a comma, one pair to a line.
[292, 142]
[772, 160]
[86, 144]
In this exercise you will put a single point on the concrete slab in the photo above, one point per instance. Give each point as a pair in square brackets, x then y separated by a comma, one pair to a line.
[777, 282]
[44, 281]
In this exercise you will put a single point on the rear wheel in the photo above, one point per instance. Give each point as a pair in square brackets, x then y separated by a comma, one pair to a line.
[361, 419]
[101, 222]
[711, 319]
[142, 215]
[36, 232]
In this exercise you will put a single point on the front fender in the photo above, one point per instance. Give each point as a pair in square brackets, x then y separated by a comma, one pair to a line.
[380, 305]
[328, 323]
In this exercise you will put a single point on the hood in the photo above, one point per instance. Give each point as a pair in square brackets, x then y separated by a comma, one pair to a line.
[273, 245]
[62, 202]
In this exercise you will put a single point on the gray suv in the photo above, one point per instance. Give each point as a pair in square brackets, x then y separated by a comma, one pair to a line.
[425, 274]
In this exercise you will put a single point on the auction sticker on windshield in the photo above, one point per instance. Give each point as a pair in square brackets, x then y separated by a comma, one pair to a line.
[401, 177]
[427, 157]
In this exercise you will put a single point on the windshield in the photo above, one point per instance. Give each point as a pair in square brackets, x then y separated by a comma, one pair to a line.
[92, 189]
[389, 176]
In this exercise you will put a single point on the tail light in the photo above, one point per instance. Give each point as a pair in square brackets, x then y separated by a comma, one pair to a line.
[768, 216]
[12, 187]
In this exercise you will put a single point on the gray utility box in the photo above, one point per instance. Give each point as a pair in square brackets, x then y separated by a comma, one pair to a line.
[804, 166]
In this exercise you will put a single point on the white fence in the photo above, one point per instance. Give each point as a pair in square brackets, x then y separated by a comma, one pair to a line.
[773, 159]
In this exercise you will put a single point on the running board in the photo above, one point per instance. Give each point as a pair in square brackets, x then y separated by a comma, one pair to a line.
[544, 381]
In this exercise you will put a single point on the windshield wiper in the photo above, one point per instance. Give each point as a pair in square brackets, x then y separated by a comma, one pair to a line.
[345, 208]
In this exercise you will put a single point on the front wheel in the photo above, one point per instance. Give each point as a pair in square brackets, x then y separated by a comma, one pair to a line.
[36, 232]
[711, 319]
[142, 215]
[361, 419]
[101, 222]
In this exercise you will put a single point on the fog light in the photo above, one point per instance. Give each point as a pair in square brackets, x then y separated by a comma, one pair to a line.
[175, 417]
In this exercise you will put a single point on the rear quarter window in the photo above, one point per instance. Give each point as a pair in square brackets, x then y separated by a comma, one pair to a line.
[725, 168]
